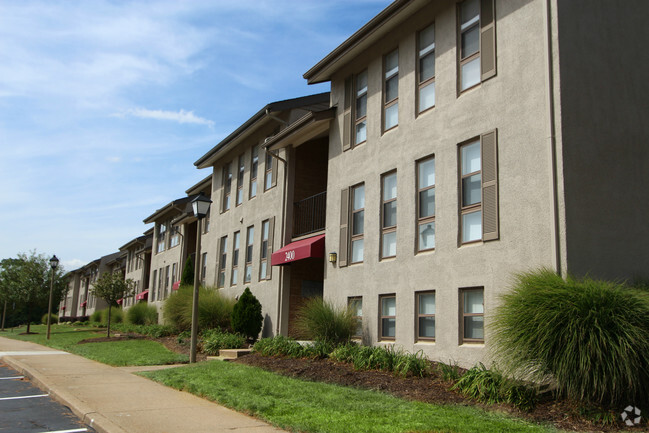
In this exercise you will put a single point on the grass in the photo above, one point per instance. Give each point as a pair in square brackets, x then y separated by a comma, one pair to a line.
[116, 353]
[296, 405]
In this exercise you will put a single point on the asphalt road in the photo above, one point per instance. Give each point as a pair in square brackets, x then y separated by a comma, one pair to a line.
[24, 408]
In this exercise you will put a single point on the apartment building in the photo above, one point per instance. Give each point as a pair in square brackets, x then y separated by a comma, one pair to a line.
[68, 307]
[137, 254]
[476, 139]
[252, 208]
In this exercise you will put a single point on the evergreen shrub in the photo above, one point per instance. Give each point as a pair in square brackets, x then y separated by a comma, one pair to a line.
[246, 315]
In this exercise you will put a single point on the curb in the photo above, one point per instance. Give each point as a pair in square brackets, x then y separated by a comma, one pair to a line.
[94, 419]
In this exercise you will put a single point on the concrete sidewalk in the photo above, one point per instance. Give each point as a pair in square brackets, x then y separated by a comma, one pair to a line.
[112, 400]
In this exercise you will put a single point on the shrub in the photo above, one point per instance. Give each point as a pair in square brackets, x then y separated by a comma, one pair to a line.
[490, 386]
[116, 316]
[278, 346]
[214, 309]
[142, 314]
[154, 331]
[53, 319]
[187, 278]
[215, 340]
[382, 358]
[95, 317]
[449, 372]
[246, 315]
[591, 336]
[322, 321]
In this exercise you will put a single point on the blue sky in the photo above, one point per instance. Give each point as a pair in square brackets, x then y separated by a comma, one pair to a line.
[105, 105]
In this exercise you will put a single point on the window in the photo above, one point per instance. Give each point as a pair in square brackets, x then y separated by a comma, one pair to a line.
[356, 305]
[162, 231]
[388, 316]
[479, 189]
[389, 215]
[155, 280]
[426, 316]
[426, 68]
[227, 185]
[174, 240]
[223, 255]
[357, 219]
[270, 175]
[206, 221]
[391, 90]
[477, 42]
[174, 273]
[254, 165]
[266, 248]
[160, 285]
[248, 268]
[167, 275]
[235, 258]
[240, 173]
[360, 112]
[203, 266]
[472, 307]
[426, 204]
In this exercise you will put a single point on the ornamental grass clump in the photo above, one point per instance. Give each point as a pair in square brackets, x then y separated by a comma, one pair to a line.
[590, 337]
[142, 314]
[323, 321]
[214, 309]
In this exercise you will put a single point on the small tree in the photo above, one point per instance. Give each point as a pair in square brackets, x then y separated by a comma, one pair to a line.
[187, 278]
[110, 287]
[246, 316]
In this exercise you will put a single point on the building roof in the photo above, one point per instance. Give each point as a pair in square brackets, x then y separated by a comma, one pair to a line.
[140, 240]
[309, 126]
[200, 186]
[178, 205]
[370, 33]
[311, 102]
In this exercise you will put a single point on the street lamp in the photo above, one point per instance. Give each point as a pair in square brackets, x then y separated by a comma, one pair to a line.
[54, 263]
[200, 206]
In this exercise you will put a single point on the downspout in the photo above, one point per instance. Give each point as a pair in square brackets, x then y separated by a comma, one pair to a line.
[280, 290]
[552, 137]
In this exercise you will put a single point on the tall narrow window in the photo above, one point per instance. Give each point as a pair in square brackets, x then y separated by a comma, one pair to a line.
[155, 281]
[203, 266]
[240, 173]
[472, 301]
[358, 224]
[270, 173]
[388, 316]
[263, 261]
[426, 68]
[426, 204]
[356, 306]
[162, 237]
[391, 90]
[227, 185]
[254, 165]
[235, 258]
[160, 284]
[174, 239]
[174, 273]
[470, 187]
[223, 255]
[389, 215]
[206, 221]
[167, 278]
[469, 44]
[360, 112]
[250, 232]
[426, 316]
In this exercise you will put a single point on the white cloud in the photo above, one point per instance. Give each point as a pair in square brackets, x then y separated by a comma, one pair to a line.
[180, 116]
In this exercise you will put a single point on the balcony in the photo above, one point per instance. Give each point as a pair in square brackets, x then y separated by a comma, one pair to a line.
[309, 215]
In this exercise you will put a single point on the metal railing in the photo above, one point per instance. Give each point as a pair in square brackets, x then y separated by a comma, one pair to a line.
[309, 214]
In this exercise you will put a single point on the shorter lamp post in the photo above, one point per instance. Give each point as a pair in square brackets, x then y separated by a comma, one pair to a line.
[54, 263]
[200, 206]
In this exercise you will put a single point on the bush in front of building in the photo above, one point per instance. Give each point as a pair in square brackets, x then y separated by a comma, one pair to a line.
[320, 320]
[142, 314]
[153, 331]
[116, 316]
[246, 316]
[95, 317]
[54, 319]
[213, 340]
[214, 309]
[590, 337]
[388, 358]
[187, 277]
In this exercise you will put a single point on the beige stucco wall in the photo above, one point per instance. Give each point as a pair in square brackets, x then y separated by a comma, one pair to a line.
[514, 103]
[159, 262]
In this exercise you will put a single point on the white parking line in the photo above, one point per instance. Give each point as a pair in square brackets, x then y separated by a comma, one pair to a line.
[23, 396]
[12, 378]
[67, 431]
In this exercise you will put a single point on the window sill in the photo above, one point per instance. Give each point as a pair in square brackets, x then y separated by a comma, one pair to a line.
[427, 110]
[426, 342]
[392, 128]
[473, 344]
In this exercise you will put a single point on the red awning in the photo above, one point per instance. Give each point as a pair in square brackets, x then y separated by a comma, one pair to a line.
[119, 301]
[176, 285]
[63, 307]
[143, 295]
[84, 303]
[298, 250]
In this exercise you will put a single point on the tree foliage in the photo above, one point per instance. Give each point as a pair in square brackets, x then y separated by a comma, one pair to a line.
[110, 287]
[187, 278]
[246, 315]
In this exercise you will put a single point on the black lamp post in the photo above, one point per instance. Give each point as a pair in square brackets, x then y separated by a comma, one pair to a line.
[200, 206]
[54, 263]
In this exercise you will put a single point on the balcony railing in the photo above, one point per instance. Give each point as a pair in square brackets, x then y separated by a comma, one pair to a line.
[309, 215]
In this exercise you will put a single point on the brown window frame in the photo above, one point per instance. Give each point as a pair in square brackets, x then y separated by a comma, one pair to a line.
[203, 266]
[427, 219]
[474, 207]
[223, 257]
[430, 80]
[227, 187]
[356, 98]
[250, 234]
[241, 171]
[420, 315]
[351, 300]
[206, 222]
[387, 229]
[268, 172]
[254, 169]
[160, 286]
[236, 246]
[474, 56]
[387, 104]
[358, 237]
[382, 317]
[486, 52]
[161, 237]
[463, 315]
[264, 250]
[174, 272]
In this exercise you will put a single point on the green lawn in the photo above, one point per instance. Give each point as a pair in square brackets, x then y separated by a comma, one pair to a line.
[117, 353]
[317, 407]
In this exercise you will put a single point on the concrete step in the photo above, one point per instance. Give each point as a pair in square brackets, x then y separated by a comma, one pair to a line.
[233, 353]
